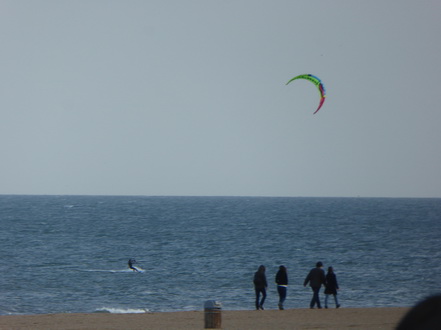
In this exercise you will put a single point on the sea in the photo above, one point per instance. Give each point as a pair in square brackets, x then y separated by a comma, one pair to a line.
[69, 254]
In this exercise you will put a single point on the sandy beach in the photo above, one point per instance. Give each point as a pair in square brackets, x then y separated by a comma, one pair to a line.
[344, 318]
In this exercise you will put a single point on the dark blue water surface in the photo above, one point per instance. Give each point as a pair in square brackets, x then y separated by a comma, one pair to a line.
[69, 253]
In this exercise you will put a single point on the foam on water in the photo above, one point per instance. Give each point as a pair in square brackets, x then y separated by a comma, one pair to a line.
[114, 310]
[124, 270]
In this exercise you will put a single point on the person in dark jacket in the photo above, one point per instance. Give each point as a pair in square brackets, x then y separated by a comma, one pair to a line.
[260, 286]
[282, 285]
[331, 287]
[316, 278]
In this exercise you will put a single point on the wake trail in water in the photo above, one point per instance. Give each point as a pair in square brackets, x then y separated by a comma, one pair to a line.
[125, 270]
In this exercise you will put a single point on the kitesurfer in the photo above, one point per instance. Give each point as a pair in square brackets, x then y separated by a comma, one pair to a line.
[130, 263]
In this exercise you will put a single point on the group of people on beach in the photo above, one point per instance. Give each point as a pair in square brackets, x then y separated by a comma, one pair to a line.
[316, 278]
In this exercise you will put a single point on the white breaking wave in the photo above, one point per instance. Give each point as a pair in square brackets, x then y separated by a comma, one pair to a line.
[113, 310]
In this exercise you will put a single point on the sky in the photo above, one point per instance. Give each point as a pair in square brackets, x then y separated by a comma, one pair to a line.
[188, 98]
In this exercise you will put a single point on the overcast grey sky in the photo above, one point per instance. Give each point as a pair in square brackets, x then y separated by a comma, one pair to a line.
[189, 98]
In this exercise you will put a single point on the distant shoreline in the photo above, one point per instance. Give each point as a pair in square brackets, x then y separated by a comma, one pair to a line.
[332, 319]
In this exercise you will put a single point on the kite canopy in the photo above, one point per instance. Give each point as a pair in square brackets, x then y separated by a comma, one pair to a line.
[316, 81]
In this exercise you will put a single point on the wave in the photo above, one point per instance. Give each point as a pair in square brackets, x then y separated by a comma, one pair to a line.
[116, 310]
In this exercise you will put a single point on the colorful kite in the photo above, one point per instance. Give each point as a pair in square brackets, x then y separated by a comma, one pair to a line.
[316, 81]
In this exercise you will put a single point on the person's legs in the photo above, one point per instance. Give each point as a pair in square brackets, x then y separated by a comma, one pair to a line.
[263, 298]
[257, 297]
[337, 305]
[326, 300]
[282, 295]
[315, 298]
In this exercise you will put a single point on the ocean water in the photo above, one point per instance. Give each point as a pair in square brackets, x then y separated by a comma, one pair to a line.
[70, 253]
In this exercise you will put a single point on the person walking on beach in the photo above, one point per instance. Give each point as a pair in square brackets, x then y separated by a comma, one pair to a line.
[260, 286]
[282, 285]
[331, 287]
[316, 278]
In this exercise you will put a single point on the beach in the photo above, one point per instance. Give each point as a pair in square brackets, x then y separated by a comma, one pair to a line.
[333, 319]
